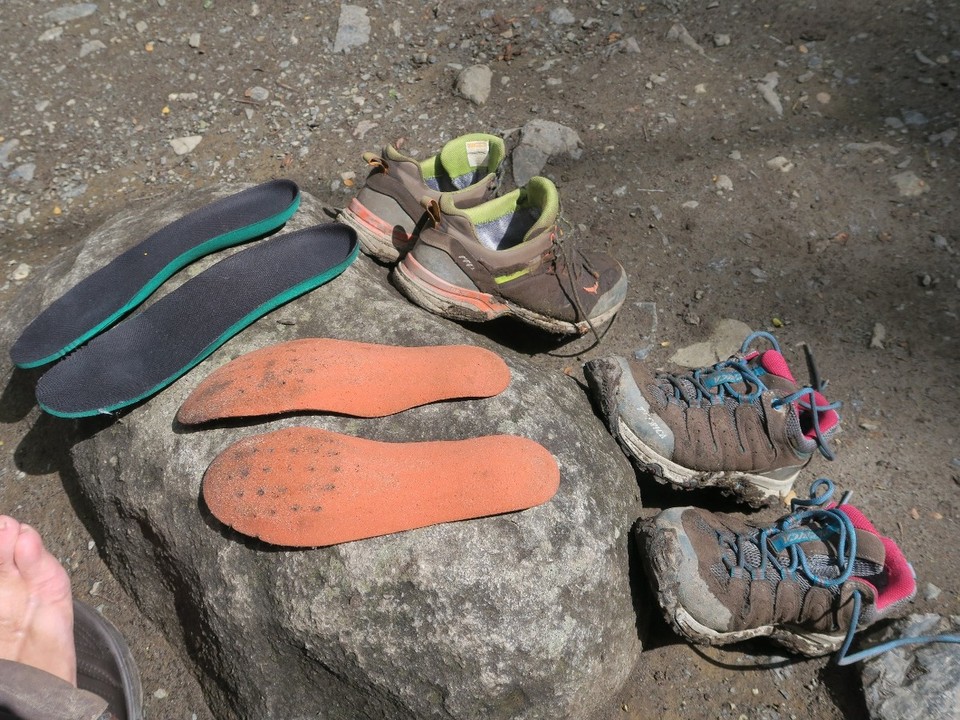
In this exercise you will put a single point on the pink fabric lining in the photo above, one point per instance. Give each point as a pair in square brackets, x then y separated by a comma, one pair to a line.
[900, 580]
[774, 363]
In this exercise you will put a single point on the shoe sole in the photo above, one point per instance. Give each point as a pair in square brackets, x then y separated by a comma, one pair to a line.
[378, 239]
[308, 487]
[438, 296]
[605, 378]
[345, 377]
[658, 565]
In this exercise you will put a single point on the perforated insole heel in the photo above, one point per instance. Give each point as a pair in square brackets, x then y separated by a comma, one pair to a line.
[345, 377]
[307, 487]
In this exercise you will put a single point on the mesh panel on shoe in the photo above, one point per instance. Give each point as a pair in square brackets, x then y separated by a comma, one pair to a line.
[507, 230]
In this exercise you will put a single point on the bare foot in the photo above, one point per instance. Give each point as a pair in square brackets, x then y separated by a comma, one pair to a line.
[36, 606]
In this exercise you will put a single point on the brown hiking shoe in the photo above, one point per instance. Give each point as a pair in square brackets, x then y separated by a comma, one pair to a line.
[504, 257]
[809, 581]
[744, 424]
[387, 212]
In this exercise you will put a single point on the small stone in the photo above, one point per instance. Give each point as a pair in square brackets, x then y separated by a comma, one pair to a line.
[160, 693]
[908, 184]
[184, 145]
[914, 117]
[721, 40]
[95, 588]
[823, 98]
[780, 163]
[52, 34]
[878, 337]
[767, 89]
[723, 183]
[23, 173]
[691, 204]
[931, 592]
[194, 40]
[70, 12]
[869, 426]
[679, 33]
[20, 272]
[561, 16]
[257, 93]
[91, 46]
[353, 29]
[473, 83]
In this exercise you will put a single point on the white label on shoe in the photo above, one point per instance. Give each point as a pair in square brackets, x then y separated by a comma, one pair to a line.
[477, 152]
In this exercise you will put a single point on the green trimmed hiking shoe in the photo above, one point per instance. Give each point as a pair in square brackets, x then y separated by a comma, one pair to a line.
[388, 212]
[504, 258]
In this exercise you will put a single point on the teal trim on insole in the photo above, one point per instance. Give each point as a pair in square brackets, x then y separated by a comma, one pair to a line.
[221, 242]
[244, 322]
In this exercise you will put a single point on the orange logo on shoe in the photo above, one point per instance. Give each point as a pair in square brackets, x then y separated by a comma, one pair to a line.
[593, 288]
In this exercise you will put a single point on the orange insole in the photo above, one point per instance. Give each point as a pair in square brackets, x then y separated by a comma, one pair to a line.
[345, 377]
[307, 487]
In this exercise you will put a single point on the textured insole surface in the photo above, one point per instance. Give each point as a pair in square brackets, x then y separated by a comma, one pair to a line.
[307, 487]
[103, 297]
[345, 377]
[148, 351]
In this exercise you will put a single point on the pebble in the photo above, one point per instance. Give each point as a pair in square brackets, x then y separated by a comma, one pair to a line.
[52, 34]
[194, 40]
[541, 140]
[914, 118]
[160, 693]
[767, 89]
[878, 337]
[23, 173]
[70, 12]
[723, 342]
[931, 592]
[679, 33]
[473, 83]
[91, 46]
[908, 184]
[723, 182]
[561, 16]
[780, 163]
[184, 145]
[721, 40]
[353, 29]
[257, 93]
[20, 272]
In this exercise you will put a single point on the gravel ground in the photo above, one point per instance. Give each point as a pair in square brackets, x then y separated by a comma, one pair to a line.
[791, 166]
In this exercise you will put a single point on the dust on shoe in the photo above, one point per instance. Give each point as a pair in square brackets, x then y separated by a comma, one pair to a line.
[809, 581]
[505, 257]
[743, 425]
[387, 212]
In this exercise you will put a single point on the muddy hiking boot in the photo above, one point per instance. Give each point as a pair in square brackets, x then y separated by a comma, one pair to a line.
[743, 425]
[505, 257]
[387, 212]
[809, 581]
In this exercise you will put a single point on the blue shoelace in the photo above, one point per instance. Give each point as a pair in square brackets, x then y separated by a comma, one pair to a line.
[716, 383]
[789, 532]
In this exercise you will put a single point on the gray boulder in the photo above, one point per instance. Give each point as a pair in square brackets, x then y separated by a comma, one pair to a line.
[915, 682]
[525, 615]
